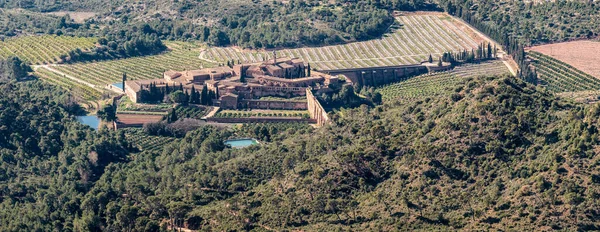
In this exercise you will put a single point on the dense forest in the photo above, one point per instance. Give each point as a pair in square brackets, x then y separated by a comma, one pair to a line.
[253, 24]
[13, 69]
[497, 154]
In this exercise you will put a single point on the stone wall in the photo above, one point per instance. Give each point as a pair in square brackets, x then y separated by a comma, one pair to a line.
[375, 76]
[274, 105]
[315, 109]
[261, 120]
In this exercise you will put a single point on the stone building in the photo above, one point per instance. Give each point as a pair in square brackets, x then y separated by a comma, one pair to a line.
[281, 77]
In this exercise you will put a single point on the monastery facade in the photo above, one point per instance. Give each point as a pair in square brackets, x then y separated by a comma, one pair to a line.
[240, 85]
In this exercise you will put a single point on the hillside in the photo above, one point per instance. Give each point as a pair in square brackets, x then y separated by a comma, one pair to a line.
[500, 156]
[220, 22]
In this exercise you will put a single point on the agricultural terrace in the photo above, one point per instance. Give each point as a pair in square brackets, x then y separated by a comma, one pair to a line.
[410, 41]
[559, 76]
[262, 113]
[181, 57]
[76, 88]
[45, 49]
[195, 112]
[442, 83]
[582, 55]
[138, 138]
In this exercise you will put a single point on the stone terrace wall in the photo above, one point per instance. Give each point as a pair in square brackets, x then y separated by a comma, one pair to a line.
[273, 104]
[373, 76]
[315, 109]
[260, 120]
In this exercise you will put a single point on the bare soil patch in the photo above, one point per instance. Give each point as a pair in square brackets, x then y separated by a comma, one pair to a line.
[583, 55]
[138, 118]
[78, 17]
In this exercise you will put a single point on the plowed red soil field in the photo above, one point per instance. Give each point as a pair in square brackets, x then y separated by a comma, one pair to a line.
[583, 55]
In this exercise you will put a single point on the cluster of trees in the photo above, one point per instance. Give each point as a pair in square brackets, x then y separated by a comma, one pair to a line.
[247, 24]
[513, 43]
[60, 158]
[342, 96]
[121, 44]
[177, 94]
[484, 51]
[13, 23]
[13, 69]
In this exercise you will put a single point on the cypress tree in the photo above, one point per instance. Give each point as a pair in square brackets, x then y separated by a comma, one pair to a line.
[204, 96]
[430, 59]
[308, 70]
[192, 98]
[124, 79]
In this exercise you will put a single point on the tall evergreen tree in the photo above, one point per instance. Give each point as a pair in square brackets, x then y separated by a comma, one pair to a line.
[204, 95]
[124, 79]
[192, 98]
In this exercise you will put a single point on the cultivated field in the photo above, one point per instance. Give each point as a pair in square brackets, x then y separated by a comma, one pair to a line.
[138, 118]
[138, 138]
[43, 49]
[582, 55]
[442, 83]
[182, 56]
[76, 88]
[411, 40]
[559, 76]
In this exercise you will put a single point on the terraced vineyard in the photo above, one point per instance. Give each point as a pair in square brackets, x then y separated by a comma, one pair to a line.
[191, 112]
[440, 83]
[43, 49]
[412, 39]
[144, 142]
[76, 88]
[558, 76]
[183, 56]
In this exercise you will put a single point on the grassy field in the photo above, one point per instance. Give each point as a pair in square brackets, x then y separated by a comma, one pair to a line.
[411, 40]
[442, 83]
[43, 49]
[559, 76]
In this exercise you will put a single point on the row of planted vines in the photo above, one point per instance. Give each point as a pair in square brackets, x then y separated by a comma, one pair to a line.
[76, 88]
[442, 83]
[411, 40]
[183, 56]
[45, 49]
[138, 138]
[559, 76]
